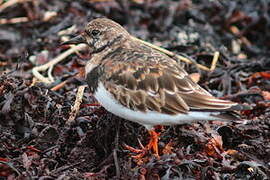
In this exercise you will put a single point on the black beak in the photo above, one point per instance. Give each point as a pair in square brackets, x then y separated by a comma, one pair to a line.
[76, 40]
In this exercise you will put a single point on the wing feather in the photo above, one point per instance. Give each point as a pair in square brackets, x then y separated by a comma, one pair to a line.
[158, 85]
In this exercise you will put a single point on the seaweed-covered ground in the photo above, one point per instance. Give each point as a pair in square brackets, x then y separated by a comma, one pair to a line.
[36, 140]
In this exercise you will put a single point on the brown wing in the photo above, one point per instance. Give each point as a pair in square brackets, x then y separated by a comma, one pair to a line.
[157, 85]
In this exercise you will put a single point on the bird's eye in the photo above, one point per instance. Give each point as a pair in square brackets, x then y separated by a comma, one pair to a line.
[95, 32]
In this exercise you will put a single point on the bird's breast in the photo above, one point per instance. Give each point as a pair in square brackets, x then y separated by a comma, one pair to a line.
[92, 77]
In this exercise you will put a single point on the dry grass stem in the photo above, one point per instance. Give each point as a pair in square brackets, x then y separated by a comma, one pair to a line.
[14, 20]
[59, 86]
[36, 70]
[76, 107]
[214, 61]
[11, 3]
[181, 58]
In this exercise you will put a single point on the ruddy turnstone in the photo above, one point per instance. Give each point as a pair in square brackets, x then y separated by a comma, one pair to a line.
[140, 84]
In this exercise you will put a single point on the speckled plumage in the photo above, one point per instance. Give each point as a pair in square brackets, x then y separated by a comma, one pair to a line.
[140, 79]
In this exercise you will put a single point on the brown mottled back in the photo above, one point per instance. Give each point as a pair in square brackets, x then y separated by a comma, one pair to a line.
[154, 83]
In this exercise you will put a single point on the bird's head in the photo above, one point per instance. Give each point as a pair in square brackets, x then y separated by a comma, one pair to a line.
[100, 33]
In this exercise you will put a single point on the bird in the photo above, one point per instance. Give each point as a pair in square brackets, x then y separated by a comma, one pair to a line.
[140, 84]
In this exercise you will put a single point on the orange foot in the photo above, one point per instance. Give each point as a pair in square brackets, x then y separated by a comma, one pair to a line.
[153, 144]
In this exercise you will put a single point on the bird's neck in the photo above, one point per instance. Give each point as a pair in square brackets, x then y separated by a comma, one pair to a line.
[98, 56]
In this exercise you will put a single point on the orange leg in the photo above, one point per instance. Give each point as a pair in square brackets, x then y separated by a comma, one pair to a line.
[154, 141]
[153, 144]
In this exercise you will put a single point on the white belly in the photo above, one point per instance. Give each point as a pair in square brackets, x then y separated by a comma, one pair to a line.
[149, 118]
